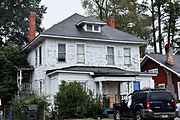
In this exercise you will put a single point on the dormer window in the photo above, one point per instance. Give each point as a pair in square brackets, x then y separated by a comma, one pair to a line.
[92, 28]
[89, 28]
[96, 28]
[91, 24]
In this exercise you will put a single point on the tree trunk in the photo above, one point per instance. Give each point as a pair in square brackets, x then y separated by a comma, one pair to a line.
[153, 25]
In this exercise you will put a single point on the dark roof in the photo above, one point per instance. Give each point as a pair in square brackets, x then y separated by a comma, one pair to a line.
[99, 71]
[68, 28]
[161, 59]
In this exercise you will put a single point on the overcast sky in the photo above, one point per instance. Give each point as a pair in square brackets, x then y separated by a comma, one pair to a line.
[58, 10]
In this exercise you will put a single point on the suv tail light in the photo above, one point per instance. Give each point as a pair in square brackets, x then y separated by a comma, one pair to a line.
[175, 106]
[148, 105]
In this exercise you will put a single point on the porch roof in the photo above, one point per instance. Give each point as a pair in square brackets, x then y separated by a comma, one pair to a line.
[97, 71]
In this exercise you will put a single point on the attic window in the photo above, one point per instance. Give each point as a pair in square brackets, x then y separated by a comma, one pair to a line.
[92, 28]
[89, 27]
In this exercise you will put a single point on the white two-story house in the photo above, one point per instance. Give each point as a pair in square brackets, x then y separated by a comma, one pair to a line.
[84, 49]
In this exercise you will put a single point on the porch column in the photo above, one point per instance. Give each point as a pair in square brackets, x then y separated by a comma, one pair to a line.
[20, 80]
[100, 88]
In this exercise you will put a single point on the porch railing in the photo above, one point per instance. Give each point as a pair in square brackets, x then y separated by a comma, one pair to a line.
[25, 86]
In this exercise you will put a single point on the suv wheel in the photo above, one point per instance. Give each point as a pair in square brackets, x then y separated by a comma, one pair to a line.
[117, 115]
[138, 116]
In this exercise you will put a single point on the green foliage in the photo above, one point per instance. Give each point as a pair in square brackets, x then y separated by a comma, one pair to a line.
[10, 57]
[128, 17]
[72, 102]
[27, 99]
[14, 19]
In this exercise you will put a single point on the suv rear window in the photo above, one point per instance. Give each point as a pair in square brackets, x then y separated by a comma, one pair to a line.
[161, 96]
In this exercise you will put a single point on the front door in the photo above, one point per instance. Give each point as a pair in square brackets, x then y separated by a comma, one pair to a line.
[136, 85]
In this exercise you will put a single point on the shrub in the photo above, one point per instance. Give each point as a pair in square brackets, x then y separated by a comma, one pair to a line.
[72, 102]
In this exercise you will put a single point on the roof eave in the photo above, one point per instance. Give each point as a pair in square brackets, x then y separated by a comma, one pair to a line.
[96, 39]
[147, 56]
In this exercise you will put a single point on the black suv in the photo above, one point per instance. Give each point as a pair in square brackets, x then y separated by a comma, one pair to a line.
[147, 104]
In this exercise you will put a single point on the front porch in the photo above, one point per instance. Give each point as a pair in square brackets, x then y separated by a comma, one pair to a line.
[24, 79]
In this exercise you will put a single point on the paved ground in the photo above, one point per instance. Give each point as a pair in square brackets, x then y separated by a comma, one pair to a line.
[107, 119]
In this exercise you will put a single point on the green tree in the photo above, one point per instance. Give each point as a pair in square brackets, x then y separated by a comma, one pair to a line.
[10, 57]
[14, 19]
[128, 15]
[165, 20]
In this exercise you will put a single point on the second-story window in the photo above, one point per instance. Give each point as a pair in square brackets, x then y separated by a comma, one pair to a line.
[80, 53]
[62, 52]
[127, 56]
[110, 55]
[40, 55]
[36, 57]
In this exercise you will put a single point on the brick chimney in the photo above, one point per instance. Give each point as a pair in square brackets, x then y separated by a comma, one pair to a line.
[111, 21]
[169, 54]
[32, 26]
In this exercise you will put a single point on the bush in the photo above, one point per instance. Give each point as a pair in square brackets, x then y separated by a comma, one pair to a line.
[72, 102]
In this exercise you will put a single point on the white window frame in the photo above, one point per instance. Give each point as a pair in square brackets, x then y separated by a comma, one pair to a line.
[155, 70]
[80, 54]
[110, 55]
[92, 28]
[64, 52]
[127, 56]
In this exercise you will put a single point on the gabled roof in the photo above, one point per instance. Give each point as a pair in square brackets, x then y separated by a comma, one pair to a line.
[160, 59]
[98, 71]
[68, 29]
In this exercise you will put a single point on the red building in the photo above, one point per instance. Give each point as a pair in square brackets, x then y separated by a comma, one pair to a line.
[168, 76]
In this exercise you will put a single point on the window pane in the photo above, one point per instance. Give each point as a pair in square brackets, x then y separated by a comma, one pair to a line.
[40, 55]
[80, 48]
[126, 60]
[96, 28]
[61, 48]
[110, 50]
[127, 55]
[110, 59]
[61, 52]
[110, 55]
[80, 53]
[89, 27]
[126, 52]
[36, 57]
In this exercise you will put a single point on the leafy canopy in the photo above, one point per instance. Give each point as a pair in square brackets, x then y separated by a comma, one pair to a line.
[10, 57]
[14, 19]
